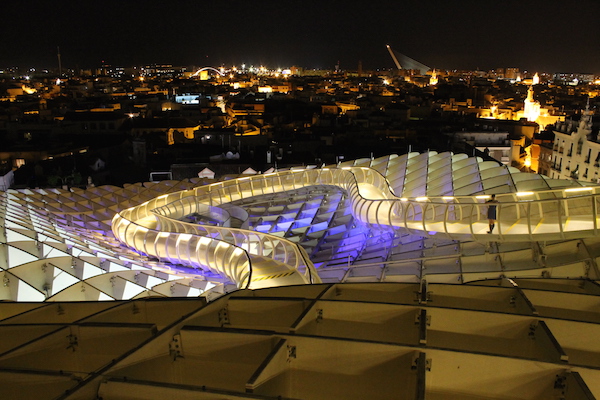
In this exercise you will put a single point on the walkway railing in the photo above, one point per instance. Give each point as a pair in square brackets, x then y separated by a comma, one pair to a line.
[154, 228]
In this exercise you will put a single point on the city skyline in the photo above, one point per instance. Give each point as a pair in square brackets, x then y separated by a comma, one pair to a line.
[483, 35]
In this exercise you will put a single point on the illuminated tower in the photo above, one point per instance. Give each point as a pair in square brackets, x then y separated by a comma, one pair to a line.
[531, 109]
[536, 79]
[433, 80]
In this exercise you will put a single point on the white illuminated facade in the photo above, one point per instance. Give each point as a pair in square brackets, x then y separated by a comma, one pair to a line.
[374, 278]
[531, 108]
[534, 112]
[576, 154]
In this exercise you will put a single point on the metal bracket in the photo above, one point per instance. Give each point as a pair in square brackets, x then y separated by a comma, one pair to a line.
[291, 352]
[175, 350]
[418, 319]
[224, 316]
[319, 315]
[73, 342]
[532, 328]
[416, 361]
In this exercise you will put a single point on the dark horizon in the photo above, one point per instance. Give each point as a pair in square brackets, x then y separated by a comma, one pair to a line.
[544, 37]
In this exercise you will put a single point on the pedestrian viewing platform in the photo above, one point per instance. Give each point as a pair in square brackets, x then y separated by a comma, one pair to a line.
[257, 259]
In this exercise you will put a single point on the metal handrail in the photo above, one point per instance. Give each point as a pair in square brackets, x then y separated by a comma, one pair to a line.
[120, 231]
[413, 214]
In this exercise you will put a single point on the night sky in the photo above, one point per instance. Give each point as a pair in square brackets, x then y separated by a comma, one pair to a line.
[536, 35]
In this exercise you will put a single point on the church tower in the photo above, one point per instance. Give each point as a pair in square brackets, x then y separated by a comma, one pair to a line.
[531, 109]
[433, 80]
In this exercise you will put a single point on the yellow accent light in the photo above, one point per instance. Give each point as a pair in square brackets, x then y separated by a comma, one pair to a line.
[581, 189]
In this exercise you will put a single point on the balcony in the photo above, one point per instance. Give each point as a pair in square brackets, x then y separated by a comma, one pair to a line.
[561, 150]
[587, 160]
[570, 153]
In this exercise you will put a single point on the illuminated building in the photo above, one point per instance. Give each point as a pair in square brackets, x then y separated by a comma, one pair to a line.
[512, 74]
[576, 152]
[175, 129]
[416, 301]
[525, 152]
[531, 108]
[165, 70]
[573, 78]
[433, 80]
[534, 112]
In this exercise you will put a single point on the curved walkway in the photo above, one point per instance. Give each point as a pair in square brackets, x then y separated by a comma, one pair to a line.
[254, 259]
